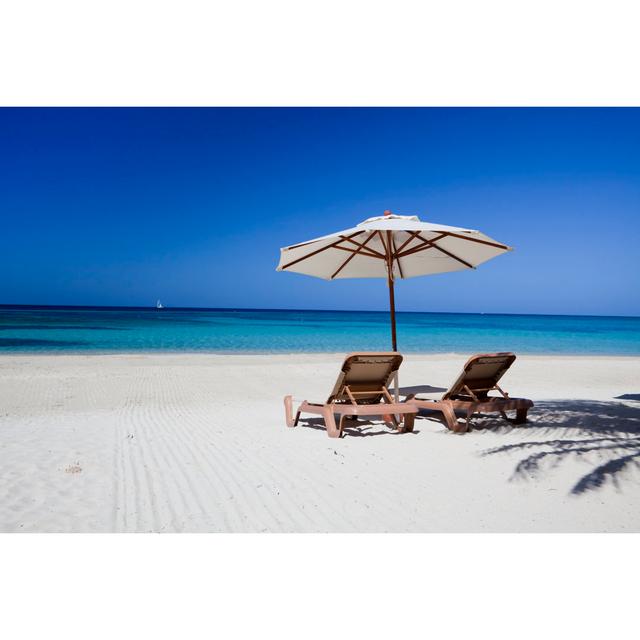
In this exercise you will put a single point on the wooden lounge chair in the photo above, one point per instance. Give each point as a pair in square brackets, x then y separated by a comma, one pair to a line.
[360, 390]
[470, 393]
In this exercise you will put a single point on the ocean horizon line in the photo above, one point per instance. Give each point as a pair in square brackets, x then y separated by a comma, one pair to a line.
[71, 307]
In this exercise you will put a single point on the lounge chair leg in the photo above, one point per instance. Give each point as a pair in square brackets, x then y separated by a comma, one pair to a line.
[343, 419]
[330, 423]
[407, 423]
[468, 420]
[521, 416]
[452, 420]
[288, 412]
[391, 421]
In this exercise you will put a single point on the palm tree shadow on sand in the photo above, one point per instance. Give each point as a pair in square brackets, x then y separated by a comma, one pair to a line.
[608, 432]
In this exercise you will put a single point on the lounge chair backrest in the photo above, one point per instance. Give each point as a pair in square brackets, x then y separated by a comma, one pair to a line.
[365, 374]
[480, 374]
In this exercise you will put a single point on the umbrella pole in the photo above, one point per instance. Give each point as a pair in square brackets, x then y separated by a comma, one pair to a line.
[392, 305]
[392, 299]
[392, 312]
[394, 342]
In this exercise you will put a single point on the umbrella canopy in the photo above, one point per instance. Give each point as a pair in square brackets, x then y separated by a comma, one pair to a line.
[391, 247]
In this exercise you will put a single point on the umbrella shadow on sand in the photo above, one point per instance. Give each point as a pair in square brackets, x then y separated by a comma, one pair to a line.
[421, 388]
[359, 428]
[605, 435]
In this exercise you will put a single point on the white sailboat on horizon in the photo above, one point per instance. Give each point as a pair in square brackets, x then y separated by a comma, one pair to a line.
[159, 305]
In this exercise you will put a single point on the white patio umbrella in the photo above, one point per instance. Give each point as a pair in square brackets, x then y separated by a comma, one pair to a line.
[390, 246]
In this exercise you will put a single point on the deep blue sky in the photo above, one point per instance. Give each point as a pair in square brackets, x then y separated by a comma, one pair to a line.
[123, 206]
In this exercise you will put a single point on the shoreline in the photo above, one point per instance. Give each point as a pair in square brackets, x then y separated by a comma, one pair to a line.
[45, 307]
[307, 354]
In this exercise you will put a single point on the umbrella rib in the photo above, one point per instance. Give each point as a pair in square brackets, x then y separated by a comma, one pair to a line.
[351, 257]
[361, 245]
[384, 244]
[389, 256]
[452, 255]
[491, 244]
[313, 253]
[397, 257]
[426, 244]
[397, 252]
[407, 241]
[432, 244]
[367, 253]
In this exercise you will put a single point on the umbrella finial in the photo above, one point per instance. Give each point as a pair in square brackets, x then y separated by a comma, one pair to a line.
[387, 212]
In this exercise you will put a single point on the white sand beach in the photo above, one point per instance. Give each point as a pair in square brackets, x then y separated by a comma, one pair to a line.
[171, 443]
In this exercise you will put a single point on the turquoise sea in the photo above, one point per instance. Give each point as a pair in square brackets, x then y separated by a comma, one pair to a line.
[100, 330]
